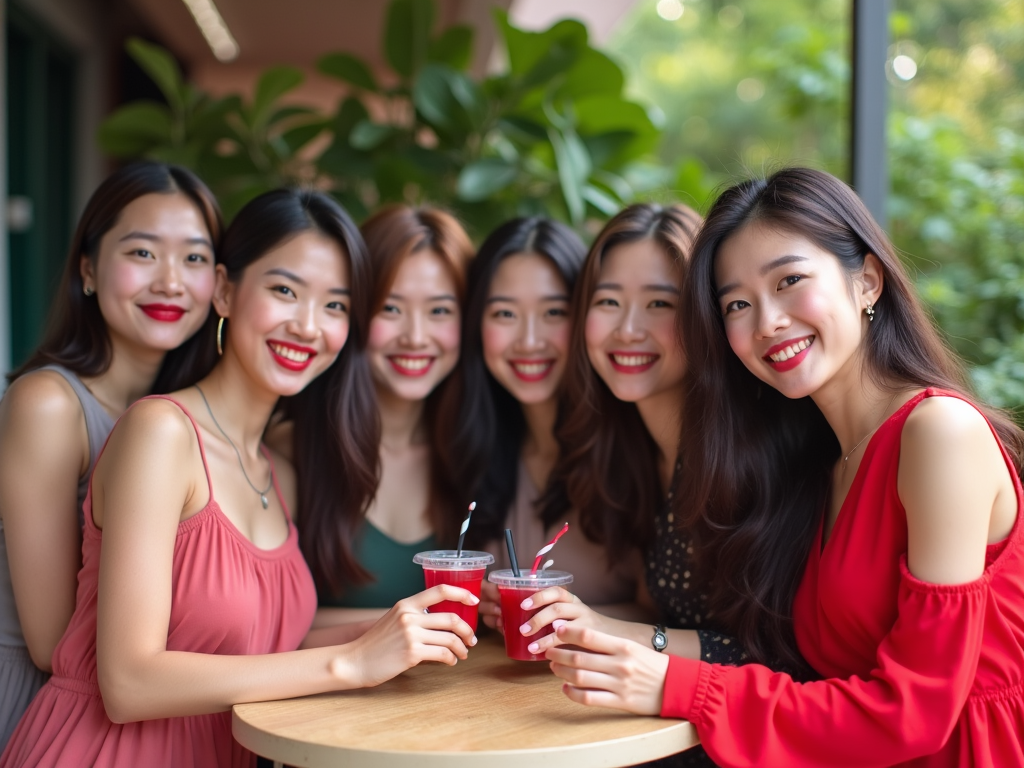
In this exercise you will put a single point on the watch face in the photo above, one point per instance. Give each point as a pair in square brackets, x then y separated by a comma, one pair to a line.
[659, 641]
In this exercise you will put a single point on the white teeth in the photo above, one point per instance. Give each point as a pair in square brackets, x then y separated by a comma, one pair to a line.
[631, 361]
[533, 369]
[412, 363]
[792, 350]
[290, 354]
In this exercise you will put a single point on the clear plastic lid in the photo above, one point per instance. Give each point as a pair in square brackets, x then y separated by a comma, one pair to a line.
[527, 580]
[449, 560]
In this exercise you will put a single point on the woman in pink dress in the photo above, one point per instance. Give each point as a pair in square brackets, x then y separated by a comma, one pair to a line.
[200, 596]
[855, 504]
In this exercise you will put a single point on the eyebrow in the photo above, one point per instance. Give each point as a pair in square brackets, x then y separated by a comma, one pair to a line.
[281, 272]
[767, 268]
[552, 297]
[156, 239]
[441, 297]
[662, 287]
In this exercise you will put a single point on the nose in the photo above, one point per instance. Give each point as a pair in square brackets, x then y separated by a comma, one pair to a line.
[529, 340]
[304, 323]
[771, 320]
[631, 328]
[168, 278]
[414, 334]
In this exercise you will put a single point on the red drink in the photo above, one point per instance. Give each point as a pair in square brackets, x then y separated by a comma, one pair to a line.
[465, 569]
[471, 580]
[513, 590]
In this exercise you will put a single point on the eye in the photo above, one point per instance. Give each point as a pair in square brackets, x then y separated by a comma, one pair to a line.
[196, 258]
[606, 302]
[503, 314]
[390, 309]
[735, 306]
[789, 280]
[557, 312]
[660, 304]
[142, 252]
[338, 306]
[438, 311]
[284, 290]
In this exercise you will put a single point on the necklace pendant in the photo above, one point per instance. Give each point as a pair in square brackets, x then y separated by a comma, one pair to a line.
[263, 499]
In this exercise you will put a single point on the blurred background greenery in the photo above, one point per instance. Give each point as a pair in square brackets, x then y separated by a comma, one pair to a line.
[684, 97]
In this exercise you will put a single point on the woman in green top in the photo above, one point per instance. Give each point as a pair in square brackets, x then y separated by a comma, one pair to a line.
[419, 258]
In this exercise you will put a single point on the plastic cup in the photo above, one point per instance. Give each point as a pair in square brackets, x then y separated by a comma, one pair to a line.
[513, 590]
[445, 566]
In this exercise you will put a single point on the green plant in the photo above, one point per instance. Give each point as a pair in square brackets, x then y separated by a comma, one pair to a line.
[552, 133]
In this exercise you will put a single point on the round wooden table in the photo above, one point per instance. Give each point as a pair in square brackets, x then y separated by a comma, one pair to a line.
[487, 710]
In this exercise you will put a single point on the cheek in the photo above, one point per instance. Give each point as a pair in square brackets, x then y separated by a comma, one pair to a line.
[123, 280]
[336, 334]
[558, 337]
[596, 329]
[448, 335]
[200, 283]
[495, 339]
[382, 333]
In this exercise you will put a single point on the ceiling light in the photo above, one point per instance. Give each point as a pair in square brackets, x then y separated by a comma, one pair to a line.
[212, 25]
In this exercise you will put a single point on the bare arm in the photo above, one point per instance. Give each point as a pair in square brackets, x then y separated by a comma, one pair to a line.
[139, 505]
[44, 449]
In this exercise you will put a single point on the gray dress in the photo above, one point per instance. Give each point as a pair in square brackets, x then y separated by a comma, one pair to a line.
[19, 677]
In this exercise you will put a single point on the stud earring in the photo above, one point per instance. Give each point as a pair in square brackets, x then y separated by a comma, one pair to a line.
[88, 291]
[870, 312]
[220, 336]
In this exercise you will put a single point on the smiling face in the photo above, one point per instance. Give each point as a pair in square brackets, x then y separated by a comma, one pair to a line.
[630, 327]
[525, 327]
[414, 339]
[288, 314]
[792, 314]
[153, 275]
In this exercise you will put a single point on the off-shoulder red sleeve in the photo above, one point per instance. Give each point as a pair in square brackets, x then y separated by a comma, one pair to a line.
[906, 708]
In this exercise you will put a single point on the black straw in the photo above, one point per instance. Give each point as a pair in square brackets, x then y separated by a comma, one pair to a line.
[465, 527]
[512, 553]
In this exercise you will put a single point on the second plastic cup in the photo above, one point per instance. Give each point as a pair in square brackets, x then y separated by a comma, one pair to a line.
[514, 589]
[445, 566]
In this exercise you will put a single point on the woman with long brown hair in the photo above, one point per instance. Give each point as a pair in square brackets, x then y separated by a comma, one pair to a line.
[136, 289]
[855, 505]
[419, 258]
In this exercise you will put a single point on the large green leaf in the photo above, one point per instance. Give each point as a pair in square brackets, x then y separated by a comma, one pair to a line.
[367, 134]
[481, 179]
[598, 115]
[407, 35]
[349, 68]
[453, 47]
[272, 85]
[161, 67]
[573, 164]
[135, 129]
[299, 136]
[593, 73]
[349, 115]
[536, 57]
[448, 100]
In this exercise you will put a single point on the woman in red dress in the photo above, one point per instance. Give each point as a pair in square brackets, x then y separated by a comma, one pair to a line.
[842, 476]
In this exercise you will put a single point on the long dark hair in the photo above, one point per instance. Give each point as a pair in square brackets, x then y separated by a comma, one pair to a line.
[334, 418]
[481, 427]
[608, 468]
[393, 234]
[76, 336]
[757, 465]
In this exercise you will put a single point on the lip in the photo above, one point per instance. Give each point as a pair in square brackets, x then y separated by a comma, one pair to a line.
[793, 362]
[287, 362]
[411, 372]
[636, 368]
[164, 313]
[549, 366]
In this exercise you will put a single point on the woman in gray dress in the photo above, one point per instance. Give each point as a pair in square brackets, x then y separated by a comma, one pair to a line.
[136, 290]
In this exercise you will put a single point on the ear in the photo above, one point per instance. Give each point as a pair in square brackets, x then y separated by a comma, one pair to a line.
[87, 270]
[223, 292]
[872, 279]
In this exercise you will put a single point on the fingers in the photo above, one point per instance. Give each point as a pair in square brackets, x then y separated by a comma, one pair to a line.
[443, 622]
[542, 644]
[586, 678]
[574, 659]
[440, 594]
[590, 639]
[592, 698]
[563, 611]
[548, 596]
[439, 639]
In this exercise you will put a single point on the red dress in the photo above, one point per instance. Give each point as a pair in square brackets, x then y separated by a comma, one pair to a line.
[228, 597]
[918, 674]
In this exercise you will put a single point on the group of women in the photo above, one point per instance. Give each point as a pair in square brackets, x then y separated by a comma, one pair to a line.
[791, 522]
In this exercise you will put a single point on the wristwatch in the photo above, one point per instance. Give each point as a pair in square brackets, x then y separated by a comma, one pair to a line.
[660, 641]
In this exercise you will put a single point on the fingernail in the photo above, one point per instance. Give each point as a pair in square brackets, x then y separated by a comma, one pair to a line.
[527, 603]
[558, 623]
[475, 599]
[533, 647]
[473, 640]
[524, 629]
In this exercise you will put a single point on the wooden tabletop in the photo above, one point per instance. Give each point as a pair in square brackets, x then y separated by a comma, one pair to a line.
[487, 710]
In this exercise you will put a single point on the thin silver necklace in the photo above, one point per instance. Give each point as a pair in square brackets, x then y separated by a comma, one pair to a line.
[846, 458]
[263, 493]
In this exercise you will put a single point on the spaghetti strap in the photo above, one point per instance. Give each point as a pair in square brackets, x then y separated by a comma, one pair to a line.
[277, 487]
[199, 437]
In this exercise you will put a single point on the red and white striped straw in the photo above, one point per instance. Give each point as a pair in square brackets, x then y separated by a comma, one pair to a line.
[547, 547]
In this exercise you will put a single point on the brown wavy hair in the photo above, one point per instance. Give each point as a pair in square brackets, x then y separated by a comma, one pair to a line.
[756, 465]
[76, 336]
[393, 234]
[608, 469]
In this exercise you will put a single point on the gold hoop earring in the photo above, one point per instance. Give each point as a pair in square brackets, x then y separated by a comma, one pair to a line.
[220, 336]
[870, 312]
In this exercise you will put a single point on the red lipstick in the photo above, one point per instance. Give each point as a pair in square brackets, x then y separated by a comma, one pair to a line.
[417, 368]
[293, 357]
[164, 313]
[532, 376]
[789, 364]
[638, 367]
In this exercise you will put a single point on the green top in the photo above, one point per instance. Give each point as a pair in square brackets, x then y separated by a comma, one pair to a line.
[390, 564]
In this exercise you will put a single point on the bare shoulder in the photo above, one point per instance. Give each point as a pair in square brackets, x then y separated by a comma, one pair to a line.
[286, 479]
[43, 399]
[943, 422]
[153, 425]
